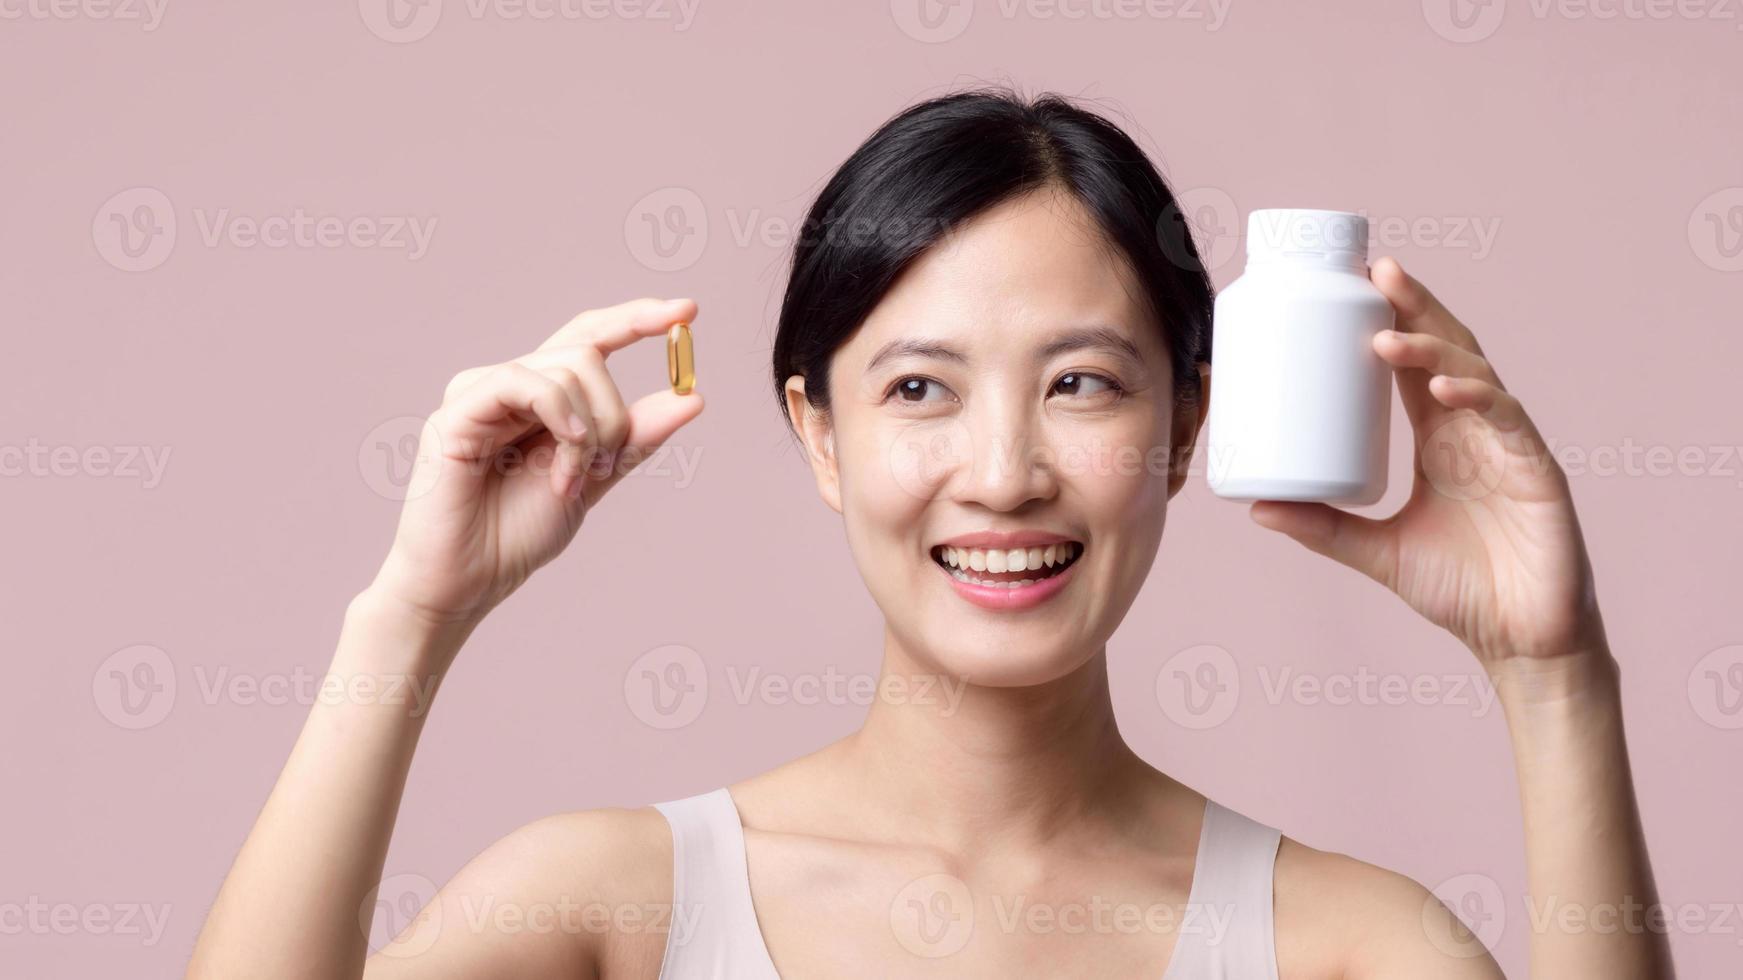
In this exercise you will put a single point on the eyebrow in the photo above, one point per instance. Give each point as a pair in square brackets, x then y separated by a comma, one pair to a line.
[1075, 339]
[1092, 338]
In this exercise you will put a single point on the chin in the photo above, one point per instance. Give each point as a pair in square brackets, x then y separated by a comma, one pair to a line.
[996, 654]
[1028, 665]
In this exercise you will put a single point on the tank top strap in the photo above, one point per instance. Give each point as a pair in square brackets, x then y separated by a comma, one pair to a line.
[1227, 932]
[714, 933]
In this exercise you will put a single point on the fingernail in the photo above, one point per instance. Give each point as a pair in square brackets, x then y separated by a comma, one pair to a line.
[607, 463]
[577, 428]
[574, 491]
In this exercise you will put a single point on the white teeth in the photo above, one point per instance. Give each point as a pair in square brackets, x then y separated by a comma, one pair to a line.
[1008, 560]
[963, 576]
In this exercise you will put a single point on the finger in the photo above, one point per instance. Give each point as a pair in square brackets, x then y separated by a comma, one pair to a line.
[610, 414]
[572, 455]
[595, 400]
[502, 407]
[603, 408]
[604, 330]
[464, 380]
[1432, 354]
[1419, 311]
[1425, 414]
[538, 360]
[1362, 543]
[1497, 405]
[616, 327]
[652, 420]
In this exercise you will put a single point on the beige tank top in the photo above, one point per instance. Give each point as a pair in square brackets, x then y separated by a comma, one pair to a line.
[1231, 938]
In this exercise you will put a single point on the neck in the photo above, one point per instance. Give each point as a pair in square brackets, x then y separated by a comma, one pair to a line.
[970, 766]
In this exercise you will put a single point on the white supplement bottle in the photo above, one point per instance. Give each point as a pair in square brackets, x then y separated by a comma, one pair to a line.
[1300, 404]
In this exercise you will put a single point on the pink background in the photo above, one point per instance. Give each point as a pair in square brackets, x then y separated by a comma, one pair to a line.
[1600, 154]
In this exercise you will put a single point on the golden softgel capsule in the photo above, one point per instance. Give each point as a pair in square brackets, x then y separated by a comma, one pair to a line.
[680, 359]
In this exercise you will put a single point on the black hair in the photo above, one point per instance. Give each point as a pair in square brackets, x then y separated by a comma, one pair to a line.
[941, 162]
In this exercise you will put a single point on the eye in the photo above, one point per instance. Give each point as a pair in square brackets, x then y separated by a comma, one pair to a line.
[1084, 384]
[917, 390]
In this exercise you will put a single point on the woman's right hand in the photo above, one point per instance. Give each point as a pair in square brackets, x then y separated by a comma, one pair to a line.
[516, 456]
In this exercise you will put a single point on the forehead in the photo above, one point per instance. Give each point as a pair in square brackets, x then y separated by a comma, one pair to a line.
[1019, 271]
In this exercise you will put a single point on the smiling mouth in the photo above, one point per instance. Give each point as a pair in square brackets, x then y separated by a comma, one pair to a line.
[1007, 568]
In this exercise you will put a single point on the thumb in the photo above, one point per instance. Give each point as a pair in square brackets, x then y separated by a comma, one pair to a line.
[1362, 543]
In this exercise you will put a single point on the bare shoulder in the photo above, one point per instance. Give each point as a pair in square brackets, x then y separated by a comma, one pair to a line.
[616, 852]
[577, 894]
[1337, 916]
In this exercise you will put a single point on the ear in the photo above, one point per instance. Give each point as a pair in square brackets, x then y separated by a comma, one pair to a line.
[817, 433]
[1188, 422]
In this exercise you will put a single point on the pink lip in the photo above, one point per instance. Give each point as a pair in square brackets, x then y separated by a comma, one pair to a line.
[988, 540]
[1003, 599]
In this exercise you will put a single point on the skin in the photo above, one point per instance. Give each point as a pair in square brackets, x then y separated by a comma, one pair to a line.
[1023, 790]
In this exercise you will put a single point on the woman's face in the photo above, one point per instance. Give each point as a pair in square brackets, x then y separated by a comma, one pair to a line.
[1007, 405]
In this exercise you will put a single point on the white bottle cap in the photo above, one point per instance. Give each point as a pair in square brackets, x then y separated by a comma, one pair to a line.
[1321, 237]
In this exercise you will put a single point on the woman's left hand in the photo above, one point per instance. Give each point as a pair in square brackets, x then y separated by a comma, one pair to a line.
[1488, 545]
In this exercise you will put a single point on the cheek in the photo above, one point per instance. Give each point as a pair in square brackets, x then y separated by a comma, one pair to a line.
[923, 460]
[1118, 475]
[1118, 465]
[887, 477]
[897, 469]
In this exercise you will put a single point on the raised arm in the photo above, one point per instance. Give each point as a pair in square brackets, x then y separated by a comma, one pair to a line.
[507, 467]
[1488, 547]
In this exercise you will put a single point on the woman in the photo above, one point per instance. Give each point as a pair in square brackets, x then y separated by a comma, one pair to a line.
[980, 298]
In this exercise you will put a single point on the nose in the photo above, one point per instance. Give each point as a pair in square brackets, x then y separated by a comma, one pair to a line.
[1009, 465]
